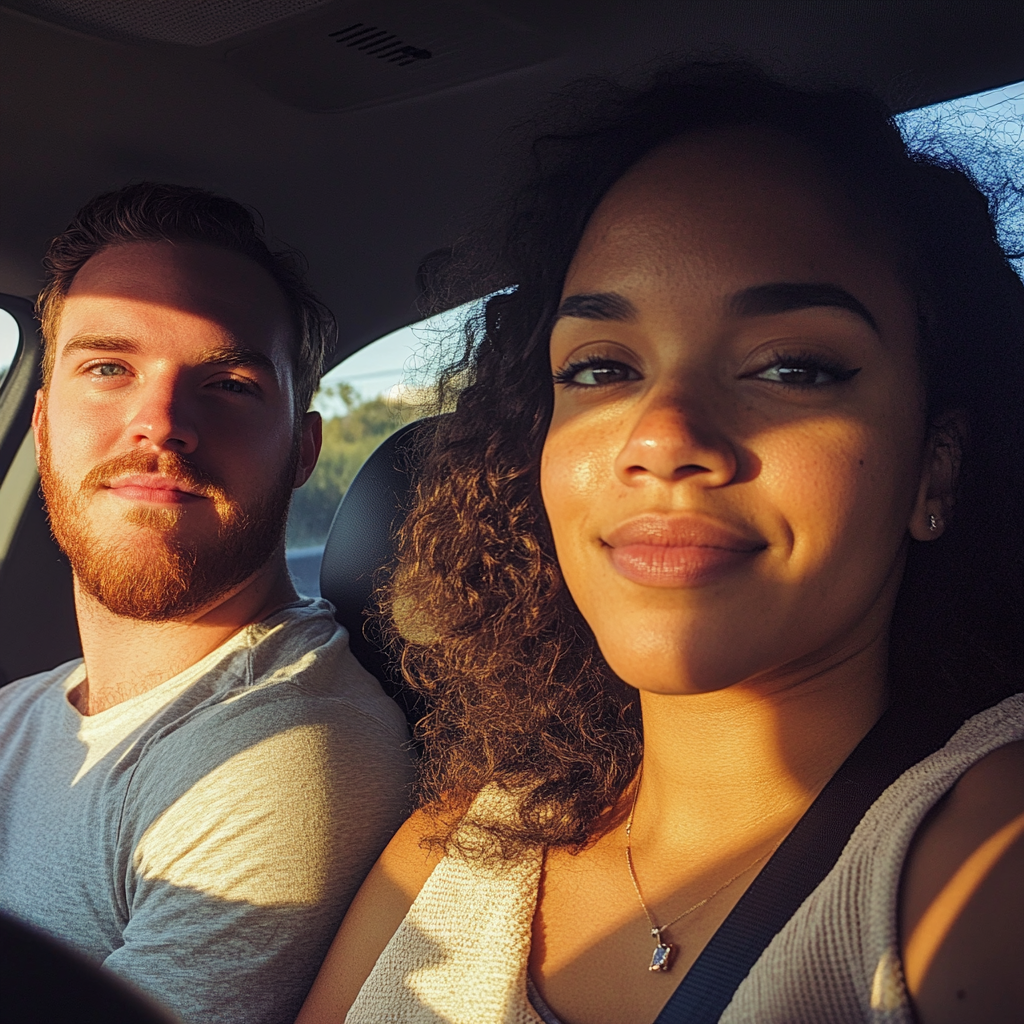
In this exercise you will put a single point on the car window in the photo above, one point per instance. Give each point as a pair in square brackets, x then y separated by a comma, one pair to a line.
[985, 133]
[10, 335]
[363, 400]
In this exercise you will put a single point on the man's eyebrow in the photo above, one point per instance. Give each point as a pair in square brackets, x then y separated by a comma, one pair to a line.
[229, 355]
[597, 306]
[239, 357]
[100, 343]
[784, 297]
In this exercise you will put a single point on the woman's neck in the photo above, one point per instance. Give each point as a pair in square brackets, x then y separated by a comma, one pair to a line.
[737, 768]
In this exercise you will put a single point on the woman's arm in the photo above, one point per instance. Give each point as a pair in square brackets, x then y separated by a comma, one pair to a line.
[962, 899]
[373, 917]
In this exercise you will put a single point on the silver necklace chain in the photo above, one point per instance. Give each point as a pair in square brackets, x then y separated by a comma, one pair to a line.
[662, 959]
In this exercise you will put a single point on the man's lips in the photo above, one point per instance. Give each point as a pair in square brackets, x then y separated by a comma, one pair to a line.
[679, 551]
[155, 488]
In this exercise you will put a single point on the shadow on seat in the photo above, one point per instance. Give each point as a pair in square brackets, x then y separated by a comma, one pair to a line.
[360, 554]
[44, 982]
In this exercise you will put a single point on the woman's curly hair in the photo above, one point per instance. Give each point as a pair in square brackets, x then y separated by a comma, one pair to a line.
[516, 690]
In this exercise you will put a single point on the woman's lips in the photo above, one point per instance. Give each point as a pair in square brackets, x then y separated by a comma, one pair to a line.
[686, 551]
[659, 566]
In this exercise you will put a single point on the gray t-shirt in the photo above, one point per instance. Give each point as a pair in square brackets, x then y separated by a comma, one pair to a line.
[203, 839]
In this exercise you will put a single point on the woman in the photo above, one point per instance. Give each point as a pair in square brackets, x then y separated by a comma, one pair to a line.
[737, 473]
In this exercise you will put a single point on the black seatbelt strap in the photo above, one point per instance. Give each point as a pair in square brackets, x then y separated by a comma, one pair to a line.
[898, 740]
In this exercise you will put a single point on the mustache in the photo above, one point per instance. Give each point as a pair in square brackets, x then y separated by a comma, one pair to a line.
[171, 464]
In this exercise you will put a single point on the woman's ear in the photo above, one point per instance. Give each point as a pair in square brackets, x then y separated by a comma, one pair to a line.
[940, 468]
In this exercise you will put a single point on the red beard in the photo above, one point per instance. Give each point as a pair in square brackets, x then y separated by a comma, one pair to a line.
[176, 577]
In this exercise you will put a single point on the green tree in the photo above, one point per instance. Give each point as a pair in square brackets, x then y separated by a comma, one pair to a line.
[348, 441]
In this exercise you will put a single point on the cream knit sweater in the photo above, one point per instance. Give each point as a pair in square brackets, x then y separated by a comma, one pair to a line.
[460, 956]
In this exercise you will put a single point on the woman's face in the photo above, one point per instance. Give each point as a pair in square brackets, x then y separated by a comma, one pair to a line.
[737, 447]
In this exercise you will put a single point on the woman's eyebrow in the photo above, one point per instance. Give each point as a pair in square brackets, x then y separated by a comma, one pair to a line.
[784, 297]
[597, 306]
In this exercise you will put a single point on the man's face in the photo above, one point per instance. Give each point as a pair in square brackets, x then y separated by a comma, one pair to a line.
[166, 437]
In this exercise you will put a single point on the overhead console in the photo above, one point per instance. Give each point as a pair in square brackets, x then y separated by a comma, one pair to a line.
[320, 56]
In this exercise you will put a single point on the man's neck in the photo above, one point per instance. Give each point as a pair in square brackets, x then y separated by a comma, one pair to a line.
[126, 657]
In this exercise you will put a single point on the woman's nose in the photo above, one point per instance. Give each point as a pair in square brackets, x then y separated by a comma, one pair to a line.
[674, 440]
[162, 419]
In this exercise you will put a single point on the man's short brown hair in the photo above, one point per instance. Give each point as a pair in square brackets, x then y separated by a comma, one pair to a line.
[152, 211]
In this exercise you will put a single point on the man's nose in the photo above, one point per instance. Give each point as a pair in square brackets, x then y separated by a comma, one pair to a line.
[162, 418]
[675, 437]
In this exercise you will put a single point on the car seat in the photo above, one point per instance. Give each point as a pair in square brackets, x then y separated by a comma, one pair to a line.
[359, 555]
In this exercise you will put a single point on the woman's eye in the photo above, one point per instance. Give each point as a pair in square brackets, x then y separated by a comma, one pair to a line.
[594, 373]
[805, 373]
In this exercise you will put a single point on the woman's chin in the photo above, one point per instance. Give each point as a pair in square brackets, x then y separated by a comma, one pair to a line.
[676, 676]
[680, 650]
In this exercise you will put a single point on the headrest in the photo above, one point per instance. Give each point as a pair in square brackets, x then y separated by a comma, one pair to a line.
[359, 555]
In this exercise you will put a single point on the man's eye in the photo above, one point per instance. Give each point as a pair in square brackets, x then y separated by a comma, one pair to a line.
[594, 373]
[805, 373]
[108, 370]
[236, 387]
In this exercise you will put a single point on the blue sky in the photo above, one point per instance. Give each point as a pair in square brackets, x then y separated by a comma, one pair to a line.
[1000, 110]
[400, 358]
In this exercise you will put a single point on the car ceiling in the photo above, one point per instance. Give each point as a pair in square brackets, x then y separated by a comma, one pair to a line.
[367, 158]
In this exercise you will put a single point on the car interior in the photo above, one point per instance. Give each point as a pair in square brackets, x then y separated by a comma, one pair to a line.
[368, 134]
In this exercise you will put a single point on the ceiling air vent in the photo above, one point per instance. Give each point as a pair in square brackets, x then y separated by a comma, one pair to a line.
[355, 54]
[379, 43]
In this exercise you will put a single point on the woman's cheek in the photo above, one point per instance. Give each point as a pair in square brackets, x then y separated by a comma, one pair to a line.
[820, 483]
[575, 467]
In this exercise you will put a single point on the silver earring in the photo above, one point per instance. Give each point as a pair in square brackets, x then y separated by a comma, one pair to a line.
[933, 522]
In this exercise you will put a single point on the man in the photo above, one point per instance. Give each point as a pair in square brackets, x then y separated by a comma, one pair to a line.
[195, 803]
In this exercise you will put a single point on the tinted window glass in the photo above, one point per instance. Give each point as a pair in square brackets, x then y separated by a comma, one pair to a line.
[9, 337]
[363, 400]
[985, 134]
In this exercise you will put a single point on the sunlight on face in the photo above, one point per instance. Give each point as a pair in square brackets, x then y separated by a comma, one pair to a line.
[737, 439]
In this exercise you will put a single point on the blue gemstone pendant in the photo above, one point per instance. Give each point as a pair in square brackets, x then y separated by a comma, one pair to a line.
[662, 958]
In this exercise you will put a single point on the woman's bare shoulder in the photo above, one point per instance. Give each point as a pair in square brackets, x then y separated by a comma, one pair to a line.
[372, 919]
[962, 898]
